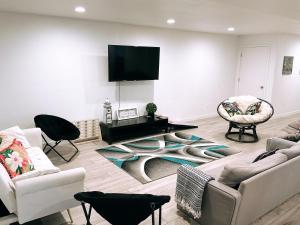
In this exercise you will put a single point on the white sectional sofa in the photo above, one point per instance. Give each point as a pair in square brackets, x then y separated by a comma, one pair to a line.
[49, 192]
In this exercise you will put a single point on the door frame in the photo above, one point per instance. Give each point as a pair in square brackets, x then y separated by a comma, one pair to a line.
[271, 70]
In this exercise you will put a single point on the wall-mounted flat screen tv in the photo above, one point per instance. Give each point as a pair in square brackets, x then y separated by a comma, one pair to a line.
[126, 63]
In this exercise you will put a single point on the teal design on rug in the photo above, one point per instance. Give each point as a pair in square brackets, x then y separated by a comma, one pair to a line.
[153, 158]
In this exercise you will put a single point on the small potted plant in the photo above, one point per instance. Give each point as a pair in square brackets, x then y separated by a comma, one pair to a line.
[151, 108]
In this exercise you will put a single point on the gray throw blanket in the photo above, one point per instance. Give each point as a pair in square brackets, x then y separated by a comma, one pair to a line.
[189, 189]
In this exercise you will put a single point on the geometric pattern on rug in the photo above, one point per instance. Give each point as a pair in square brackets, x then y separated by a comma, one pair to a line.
[156, 157]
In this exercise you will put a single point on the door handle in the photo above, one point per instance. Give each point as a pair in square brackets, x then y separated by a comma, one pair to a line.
[262, 87]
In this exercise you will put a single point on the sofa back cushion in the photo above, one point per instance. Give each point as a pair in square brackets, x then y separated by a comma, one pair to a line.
[233, 174]
[291, 152]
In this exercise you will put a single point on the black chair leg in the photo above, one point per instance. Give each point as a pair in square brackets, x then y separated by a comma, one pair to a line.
[60, 155]
[75, 153]
[240, 134]
[152, 206]
[159, 215]
[254, 133]
[153, 218]
[87, 214]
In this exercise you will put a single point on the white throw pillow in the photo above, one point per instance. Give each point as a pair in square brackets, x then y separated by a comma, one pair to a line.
[17, 133]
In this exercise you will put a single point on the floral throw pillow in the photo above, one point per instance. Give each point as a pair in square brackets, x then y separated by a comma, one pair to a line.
[253, 108]
[232, 108]
[15, 159]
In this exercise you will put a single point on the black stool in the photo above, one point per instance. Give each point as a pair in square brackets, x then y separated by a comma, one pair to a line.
[57, 129]
[121, 209]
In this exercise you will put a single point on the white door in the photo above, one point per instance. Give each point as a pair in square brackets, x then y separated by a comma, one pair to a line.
[253, 71]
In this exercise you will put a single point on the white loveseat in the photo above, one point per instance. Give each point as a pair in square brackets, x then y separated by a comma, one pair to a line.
[42, 195]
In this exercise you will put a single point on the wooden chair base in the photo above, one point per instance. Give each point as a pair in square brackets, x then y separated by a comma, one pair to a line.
[241, 135]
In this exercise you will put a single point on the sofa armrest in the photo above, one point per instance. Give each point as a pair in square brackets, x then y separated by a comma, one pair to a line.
[44, 195]
[220, 204]
[278, 143]
[34, 137]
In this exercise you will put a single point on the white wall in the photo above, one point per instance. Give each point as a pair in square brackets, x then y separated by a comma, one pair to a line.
[59, 66]
[284, 91]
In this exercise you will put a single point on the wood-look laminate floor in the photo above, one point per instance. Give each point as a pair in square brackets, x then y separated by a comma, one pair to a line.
[102, 175]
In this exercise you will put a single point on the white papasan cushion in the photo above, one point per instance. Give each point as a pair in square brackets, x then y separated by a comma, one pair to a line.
[243, 102]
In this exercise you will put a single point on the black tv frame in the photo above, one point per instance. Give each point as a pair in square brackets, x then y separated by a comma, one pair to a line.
[113, 79]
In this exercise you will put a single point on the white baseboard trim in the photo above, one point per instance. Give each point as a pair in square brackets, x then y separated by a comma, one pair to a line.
[213, 115]
[277, 116]
[195, 118]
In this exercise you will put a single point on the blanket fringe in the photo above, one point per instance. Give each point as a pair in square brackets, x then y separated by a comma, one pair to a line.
[180, 201]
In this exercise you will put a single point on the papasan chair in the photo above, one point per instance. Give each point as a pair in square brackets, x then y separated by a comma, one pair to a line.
[244, 113]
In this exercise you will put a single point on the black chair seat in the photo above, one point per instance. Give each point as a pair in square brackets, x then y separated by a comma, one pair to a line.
[129, 209]
[57, 129]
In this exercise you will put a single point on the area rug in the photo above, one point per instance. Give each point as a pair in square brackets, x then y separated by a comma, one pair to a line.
[153, 158]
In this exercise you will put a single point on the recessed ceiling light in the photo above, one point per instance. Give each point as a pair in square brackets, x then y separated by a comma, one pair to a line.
[170, 21]
[79, 9]
[231, 29]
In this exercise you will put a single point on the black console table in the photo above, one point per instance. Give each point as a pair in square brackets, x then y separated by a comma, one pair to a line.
[131, 128]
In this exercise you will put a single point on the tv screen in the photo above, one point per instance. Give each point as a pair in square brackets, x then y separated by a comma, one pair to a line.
[132, 63]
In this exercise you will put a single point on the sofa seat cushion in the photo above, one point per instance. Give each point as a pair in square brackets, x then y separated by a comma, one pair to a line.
[234, 174]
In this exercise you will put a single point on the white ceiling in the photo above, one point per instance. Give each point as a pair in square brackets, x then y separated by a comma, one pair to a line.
[247, 16]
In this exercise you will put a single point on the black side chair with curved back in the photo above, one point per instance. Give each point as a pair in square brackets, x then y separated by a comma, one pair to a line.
[58, 130]
[122, 209]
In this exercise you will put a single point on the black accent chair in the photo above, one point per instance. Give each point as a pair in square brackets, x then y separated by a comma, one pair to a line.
[121, 209]
[58, 130]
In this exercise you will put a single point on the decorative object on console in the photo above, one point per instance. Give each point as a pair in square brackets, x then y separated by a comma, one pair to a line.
[248, 104]
[107, 113]
[58, 130]
[153, 158]
[130, 208]
[151, 108]
[287, 67]
[130, 113]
